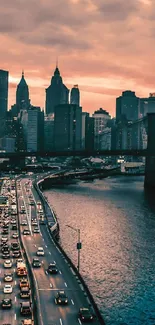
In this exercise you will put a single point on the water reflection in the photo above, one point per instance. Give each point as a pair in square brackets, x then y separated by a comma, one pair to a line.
[117, 221]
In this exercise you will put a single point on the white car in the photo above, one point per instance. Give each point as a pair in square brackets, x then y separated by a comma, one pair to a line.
[15, 235]
[40, 251]
[24, 223]
[7, 264]
[7, 288]
[8, 277]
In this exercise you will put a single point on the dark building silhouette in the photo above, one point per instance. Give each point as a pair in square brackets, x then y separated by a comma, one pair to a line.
[147, 105]
[22, 96]
[127, 106]
[75, 96]
[89, 133]
[35, 129]
[67, 127]
[3, 100]
[57, 93]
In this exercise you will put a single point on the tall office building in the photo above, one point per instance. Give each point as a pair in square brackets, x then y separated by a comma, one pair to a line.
[127, 107]
[3, 100]
[22, 95]
[49, 132]
[101, 118]
[35, 129]
[75, 96]
[57, 93]
[67, 127]
[147, 105]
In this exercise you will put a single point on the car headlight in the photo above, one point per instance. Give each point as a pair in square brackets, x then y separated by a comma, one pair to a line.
[59, 300]
[66, 300]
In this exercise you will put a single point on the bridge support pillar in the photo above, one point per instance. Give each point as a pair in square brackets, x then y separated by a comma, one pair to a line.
[149, 181]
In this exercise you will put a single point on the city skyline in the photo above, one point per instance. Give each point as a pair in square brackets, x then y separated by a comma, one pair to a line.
[101, 63]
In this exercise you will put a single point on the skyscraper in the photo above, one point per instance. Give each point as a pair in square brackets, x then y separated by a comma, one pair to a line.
[57, 93]
[101, 118]
[22, 95]
[35, 129]
[3, 100]
[75, 96]
[67, 127]
[127, 106]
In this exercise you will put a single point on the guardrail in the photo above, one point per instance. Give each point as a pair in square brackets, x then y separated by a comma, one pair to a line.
[35, 295]
[72, 266]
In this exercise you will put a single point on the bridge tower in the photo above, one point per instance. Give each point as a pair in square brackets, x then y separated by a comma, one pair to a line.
[149, 181]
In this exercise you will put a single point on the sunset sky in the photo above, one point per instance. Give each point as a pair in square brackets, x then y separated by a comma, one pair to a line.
[104, 46]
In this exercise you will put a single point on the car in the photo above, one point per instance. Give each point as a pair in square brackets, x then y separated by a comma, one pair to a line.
[14, 227]
[6, 303]
[26, 232]
[34, 223]
[40, 251]
[52, 268]
[5, 231]
[15, 246]
[7, 264]
[27, 322]
[8, 277]
[23, 283]
[19, 260]
[24, 292]
[4, 239]
[15, 235]
[36, 262]
[16, 253]
[25, 308]
[7, 288]
[61, 298]
[36, 230]
[85, 314]
[5, 248]
[6, 255]
[24, 223]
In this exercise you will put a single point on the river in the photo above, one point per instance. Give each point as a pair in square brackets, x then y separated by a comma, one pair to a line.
[117, 222]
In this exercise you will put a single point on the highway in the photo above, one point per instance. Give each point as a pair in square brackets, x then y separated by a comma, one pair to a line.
[9, 316]
[48, 285]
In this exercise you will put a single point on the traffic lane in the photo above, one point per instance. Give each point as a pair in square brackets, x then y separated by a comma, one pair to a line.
[71, 282]
[56, 314]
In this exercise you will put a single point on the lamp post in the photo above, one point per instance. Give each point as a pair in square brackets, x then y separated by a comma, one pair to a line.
[79, 244]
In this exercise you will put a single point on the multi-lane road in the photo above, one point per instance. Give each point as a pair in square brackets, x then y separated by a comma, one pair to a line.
[47, 285]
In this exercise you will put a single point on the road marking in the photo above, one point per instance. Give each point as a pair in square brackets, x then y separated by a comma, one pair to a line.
[14, 269]
[72, 301]
[58, 249]
[0, 271]
[15, 299]
[15, 282]
[50, 253]
[65, 284]
[79, 321]
[51, 285]
[46, 246]
[15, 316]
[0, 282]
[60, 321]
[60, 272]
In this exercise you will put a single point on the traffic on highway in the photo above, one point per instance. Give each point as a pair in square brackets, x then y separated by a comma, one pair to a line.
[58, 293]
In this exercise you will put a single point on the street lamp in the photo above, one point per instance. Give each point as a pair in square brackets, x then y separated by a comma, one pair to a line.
[79, 244]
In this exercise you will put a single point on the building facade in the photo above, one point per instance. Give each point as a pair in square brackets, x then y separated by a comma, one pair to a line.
[57, 93]
[75, 96]
[49, 132]
[127, 106]
[35, 129]
[101, 118]
[4, 75]
[22, 96]
[67, 127]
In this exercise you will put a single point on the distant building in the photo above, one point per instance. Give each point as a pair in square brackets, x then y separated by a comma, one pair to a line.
[35, 129]
[87, 132]
[103, 140]
[3, 100]
[75, 96]
[127, 106]
[7, 144]
[57, 93]
[49, 132]
[67, 127]
[22, 96]
[147, 105]
[101, 117]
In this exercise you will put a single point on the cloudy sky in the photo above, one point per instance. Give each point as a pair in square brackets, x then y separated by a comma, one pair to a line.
[104, 46]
